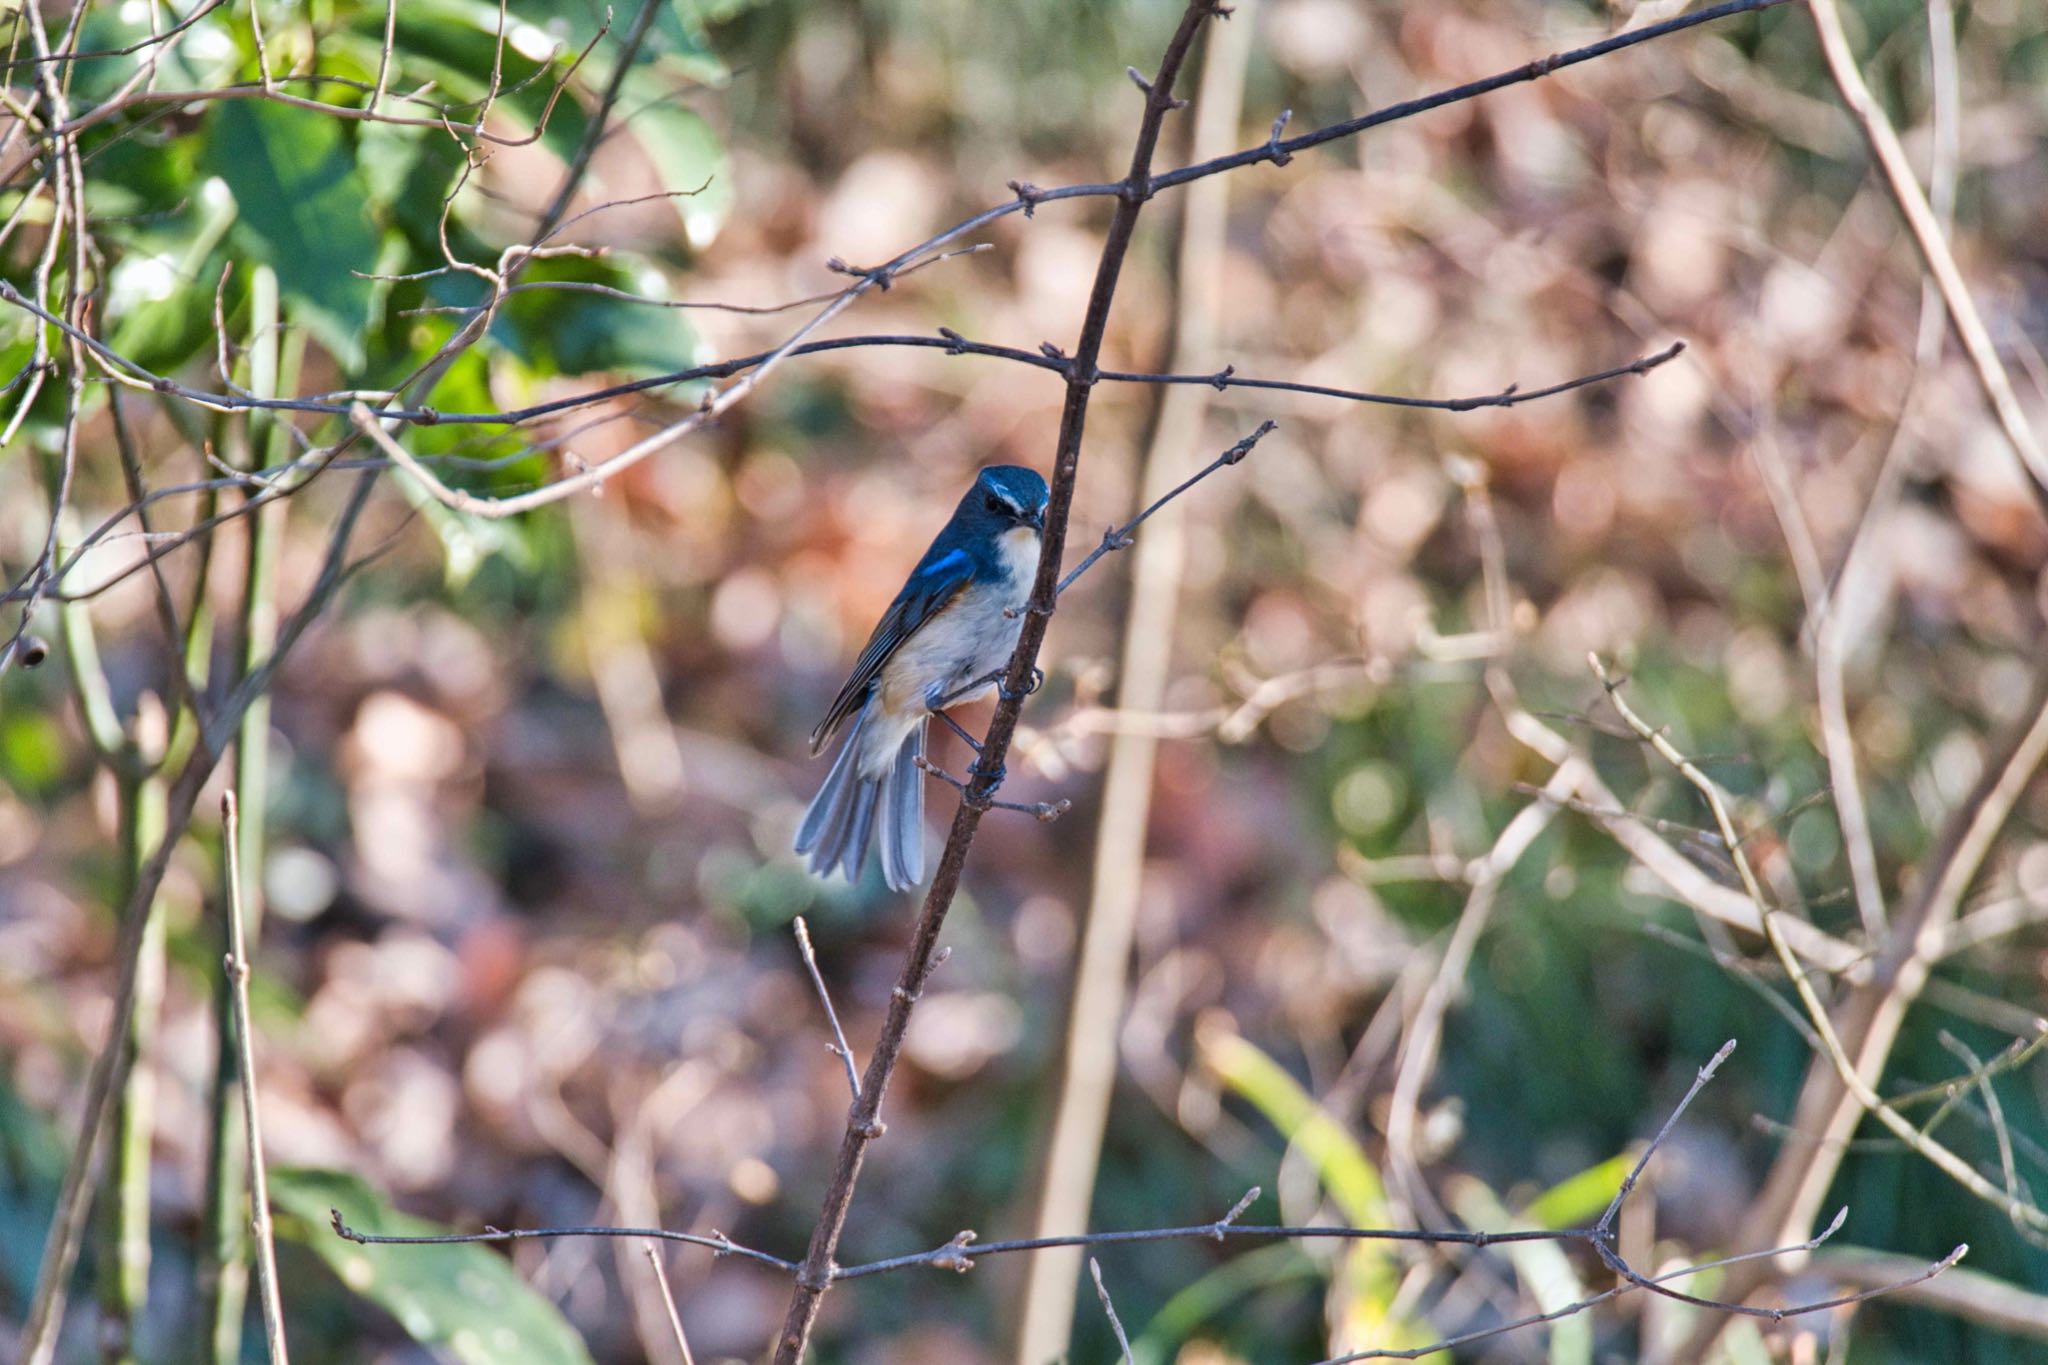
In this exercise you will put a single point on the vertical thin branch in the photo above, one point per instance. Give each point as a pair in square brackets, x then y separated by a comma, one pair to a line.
[1088, 1068]
[1115, 1324]
[273, 368]
[864, 1123]
[579, 162]
[839, 1044]
[237, 967]
[1424, 1033]
[124, 1285]
[110, 1066]
[668, 1298]
[384, 54]
[1831, 643]
[1932, 242]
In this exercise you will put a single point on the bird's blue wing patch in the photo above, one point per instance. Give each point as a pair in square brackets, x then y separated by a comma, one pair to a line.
[932, 584]
[946, 571]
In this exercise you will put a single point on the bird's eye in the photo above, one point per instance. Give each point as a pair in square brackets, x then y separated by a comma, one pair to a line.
[993, 503]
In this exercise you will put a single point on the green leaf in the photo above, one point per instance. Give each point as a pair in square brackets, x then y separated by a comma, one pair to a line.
[1578, 1199]
[160, 313]
[1268, 1267]
[31, 751]
[464, 1298]
[409, 171]
[563, 331]
[1347, 1172]
[304, 212]
[1370, 1277]
[687, 154]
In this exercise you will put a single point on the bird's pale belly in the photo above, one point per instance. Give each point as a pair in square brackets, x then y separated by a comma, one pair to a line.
[971, 637]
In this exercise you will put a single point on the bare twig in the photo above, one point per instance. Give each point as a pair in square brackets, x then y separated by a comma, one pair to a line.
[961, 1253]
[1932, 242]
[1920, 1276]
[1968, 1294]
[236, 965]
[1425, 1031]
[1120, 538]
[2023, 1212]
[1152, 618]
[839, 1045]
[111, 1065]
[864, 1125]
[1115, 1325]
[668, 1298]
[123, 370]
[717, 1243]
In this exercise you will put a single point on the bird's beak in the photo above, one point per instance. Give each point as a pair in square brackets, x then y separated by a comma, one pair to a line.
[1036, 521]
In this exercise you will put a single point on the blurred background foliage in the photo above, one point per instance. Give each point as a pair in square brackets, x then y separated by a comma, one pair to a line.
[527, 958]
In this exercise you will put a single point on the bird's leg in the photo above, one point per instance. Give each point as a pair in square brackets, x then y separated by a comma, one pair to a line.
[964, 691]
[992, 678]
[957, 728]
[1044, 811]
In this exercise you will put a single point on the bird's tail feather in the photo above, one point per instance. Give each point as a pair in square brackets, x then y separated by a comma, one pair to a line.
[849, 808]
[903, 814]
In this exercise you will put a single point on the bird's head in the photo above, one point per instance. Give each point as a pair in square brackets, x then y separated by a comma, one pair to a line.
[1008, 495]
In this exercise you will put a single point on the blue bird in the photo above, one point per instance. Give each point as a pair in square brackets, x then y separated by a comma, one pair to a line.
[954, 624]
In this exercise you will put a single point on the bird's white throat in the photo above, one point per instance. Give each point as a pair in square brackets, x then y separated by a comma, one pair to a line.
[1019, 547]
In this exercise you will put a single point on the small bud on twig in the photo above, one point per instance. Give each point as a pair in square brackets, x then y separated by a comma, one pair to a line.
[1279, 155]
[1216, 1229]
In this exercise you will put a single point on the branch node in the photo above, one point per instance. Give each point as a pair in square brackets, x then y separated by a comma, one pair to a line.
[953, 1256]
[1052, 352]
[1138, 80]
[880, 276]
[957, 344]
[1275, 153]
[1028, 194]
[1221, 379]
[1217, 1228]
[428, 417]
[870, 1130]
[1244, 447]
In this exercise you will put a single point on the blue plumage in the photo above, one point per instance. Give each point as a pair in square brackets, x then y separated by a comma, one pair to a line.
[954, 622]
